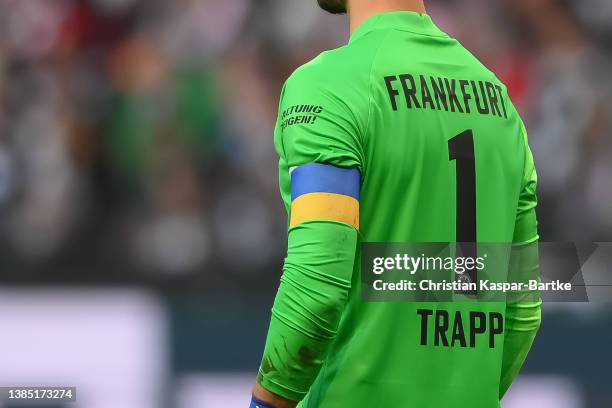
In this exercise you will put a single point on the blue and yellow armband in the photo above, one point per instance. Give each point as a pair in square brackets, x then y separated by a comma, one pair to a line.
[322, 192]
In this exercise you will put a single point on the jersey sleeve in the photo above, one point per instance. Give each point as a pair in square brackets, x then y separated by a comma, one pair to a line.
[320, 120]
[526, 226]
[523, 314]
[321, 163]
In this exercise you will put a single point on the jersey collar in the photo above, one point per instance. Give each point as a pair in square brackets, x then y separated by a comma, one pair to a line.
[399, 20]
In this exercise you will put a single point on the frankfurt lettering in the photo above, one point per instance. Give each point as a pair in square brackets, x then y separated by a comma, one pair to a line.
[445, 94]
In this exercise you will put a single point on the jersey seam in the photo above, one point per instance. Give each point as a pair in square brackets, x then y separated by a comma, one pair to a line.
[370, 100]
[526, 177]
[280, 105]
[441, 35]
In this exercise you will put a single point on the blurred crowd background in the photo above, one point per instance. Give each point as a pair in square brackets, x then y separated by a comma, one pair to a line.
[136, 154]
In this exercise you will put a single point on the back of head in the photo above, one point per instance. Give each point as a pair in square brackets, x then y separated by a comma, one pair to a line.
[333, 6]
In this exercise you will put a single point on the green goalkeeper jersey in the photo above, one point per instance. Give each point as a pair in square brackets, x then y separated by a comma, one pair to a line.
[440, 155]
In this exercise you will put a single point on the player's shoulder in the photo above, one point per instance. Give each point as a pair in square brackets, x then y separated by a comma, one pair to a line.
[480, 71]
[350, 64]
[479, 68]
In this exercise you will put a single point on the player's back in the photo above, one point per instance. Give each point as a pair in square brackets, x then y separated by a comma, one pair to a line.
[443, 157]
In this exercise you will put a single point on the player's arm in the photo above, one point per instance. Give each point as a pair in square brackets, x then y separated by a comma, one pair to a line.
[523, 315]
[320, 159]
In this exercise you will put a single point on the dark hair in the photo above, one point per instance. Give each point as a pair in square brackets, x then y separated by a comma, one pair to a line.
[333, 6]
